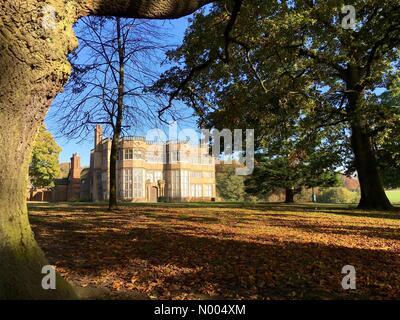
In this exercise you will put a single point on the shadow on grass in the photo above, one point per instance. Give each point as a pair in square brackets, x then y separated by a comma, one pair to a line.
[339, 209]
[188, 260]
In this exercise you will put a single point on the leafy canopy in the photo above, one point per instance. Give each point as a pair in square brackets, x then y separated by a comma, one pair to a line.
[44, 167]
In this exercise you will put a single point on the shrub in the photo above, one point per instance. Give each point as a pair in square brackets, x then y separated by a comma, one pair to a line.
[338, 195]
[251, 199]
[305, 195]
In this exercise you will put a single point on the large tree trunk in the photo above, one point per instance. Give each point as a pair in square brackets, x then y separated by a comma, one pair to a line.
[33, 69]
[113, 203]
[289, 195]
[373, 195]
[21, 260]
[112, 197]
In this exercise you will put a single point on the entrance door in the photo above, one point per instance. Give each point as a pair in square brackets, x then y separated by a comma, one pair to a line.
[153, 194]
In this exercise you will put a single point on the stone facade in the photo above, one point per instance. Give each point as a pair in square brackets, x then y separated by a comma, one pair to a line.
[150, 171]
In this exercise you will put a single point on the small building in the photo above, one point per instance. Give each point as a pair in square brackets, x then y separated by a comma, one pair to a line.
[149, 171]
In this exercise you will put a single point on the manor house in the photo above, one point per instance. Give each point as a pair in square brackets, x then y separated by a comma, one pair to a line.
[151, 171]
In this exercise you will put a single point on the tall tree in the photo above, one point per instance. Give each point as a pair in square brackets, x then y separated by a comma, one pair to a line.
[229, 185]
[292, 176]
[34, 68]
[304, 48]
[44, 167]
[111, 68]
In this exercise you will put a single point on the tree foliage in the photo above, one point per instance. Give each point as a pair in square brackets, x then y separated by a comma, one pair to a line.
[229, 185]
[111, 69]
[272, 63]
[44, 167]
[281, 173]
[387, 141]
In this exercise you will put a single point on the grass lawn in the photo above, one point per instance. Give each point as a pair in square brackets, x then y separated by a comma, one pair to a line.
[200, 251]
[393, 195]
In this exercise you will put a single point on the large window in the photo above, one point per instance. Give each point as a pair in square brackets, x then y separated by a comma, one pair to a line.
[173, 156]
[208, 174]
[196, 190]
[128, 183]
[196, 174]
[138, 187]
[180, 183]
[156, 155]
[208, 190]
[185, 192]
[133, 183]
[154, 176]
[128, 154]
[138, 154]
[133, 154]
[175, 183]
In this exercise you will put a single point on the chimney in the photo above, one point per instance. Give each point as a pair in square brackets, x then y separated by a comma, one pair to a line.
[98, 136]
[75, 172]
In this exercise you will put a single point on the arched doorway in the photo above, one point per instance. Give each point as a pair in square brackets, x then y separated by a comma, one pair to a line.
[153, 194]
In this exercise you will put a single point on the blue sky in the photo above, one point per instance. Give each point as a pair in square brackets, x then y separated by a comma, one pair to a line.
[176, 28]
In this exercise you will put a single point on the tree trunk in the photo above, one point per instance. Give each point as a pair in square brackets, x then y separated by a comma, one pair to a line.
[33, 69]
[35, 39]
[113, 203]
[373, 195]
[289, 195]
[21, 260]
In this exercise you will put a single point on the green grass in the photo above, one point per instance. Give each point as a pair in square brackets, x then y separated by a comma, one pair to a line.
[393, 195]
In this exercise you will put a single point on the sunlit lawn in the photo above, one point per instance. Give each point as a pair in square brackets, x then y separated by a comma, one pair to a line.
[199, 251]
[394, 195]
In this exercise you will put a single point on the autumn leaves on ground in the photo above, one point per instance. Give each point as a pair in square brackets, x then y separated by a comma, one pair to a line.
[192, 251]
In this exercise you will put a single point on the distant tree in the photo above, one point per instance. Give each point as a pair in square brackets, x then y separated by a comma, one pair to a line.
[289, 174]
[44, 166]
[64, 170]
[349, 182]
[338, 195]
[229, 185]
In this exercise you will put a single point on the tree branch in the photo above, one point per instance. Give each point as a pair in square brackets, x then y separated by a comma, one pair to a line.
[211, 60]
[150, 9]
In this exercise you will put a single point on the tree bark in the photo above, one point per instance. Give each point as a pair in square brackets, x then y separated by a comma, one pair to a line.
[289, 195]
[21, 258]
[35, 39]
[373, 195]
[151, 9]
[113, 202]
